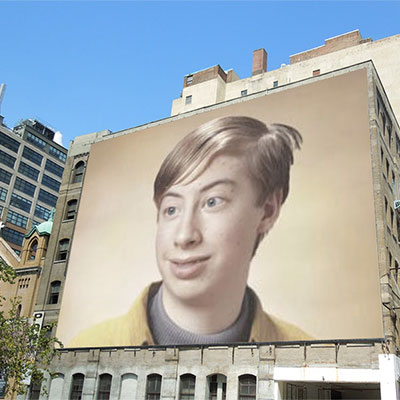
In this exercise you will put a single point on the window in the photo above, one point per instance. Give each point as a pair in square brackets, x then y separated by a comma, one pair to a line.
[316, 72]
[54, 292]
[24, 186]
[3, 194]
[63, 247]
[104, 390]
[9, 143]
[42, 212]
[6, 159]
[76, 387]
[128, 386]
[187, 386]
[17, 219]
[23, 283]
[5, 176]
[391, 217]
[216, 383]
[28, 171]
[153, 387]
[71, 209]
[247, 387]
[20, 202]
[34, 392]
[188, 99]
[57, 153]
[295, 392]
[51, 183]
[47, 198]
[32, 156]
[32, 250]
[243, 93]
[35, 140]
[54, 168]
[79, 171]
[275, 84]
[397, 145]
[189, 80]
[10, 235]
[393, 183]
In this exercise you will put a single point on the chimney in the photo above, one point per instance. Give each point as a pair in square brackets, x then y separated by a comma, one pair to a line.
[259, 62]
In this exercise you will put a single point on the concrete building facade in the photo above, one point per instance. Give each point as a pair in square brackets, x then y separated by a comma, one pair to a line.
[31, 167]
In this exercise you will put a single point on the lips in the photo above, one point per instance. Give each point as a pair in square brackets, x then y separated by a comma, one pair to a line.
[188, 267]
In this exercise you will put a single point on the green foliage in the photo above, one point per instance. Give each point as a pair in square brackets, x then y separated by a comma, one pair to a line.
[25, 350]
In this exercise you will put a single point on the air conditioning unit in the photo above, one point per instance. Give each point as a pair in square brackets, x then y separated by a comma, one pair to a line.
[397, 205]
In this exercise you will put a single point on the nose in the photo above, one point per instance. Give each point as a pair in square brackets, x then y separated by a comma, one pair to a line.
[188, 232]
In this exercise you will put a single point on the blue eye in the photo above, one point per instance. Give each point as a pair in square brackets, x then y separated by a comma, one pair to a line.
[170, 211]
[213, 201]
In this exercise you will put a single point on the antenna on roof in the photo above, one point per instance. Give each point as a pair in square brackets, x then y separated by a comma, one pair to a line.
[2, 90]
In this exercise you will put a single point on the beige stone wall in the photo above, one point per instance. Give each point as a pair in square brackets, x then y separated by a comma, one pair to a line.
[266, 362]
[384, 53]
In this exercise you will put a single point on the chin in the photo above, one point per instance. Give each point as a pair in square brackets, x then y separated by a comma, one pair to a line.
[190, 292]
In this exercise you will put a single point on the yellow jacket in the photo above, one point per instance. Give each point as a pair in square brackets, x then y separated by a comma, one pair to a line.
[132, 329]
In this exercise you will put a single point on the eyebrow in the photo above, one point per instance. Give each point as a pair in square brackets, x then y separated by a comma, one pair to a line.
[203, 189]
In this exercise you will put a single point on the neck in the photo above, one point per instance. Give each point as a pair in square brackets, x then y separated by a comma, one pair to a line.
[205, 318]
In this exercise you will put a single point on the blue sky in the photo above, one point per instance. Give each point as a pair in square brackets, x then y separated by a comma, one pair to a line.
[86, 66]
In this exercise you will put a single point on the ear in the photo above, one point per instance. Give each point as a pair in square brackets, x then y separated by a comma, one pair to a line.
[271, 208]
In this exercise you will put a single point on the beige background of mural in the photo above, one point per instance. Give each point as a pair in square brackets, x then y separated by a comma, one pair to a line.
[318, 266]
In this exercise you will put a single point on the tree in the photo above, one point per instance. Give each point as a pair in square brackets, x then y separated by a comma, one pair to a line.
[26, 350]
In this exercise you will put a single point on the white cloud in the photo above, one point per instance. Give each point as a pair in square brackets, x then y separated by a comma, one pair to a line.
[58, 138]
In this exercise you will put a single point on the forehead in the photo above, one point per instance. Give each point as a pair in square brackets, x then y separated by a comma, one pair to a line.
[228, 169]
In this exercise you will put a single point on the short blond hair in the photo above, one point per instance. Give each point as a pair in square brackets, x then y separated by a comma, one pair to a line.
[267, 150]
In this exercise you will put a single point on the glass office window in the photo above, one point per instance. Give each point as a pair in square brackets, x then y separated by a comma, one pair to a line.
[32, 155]
[54, 168]
[47, 198]
[28, 171]
[24, 186]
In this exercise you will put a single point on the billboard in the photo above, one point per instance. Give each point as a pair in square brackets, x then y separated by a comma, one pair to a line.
[185, 274]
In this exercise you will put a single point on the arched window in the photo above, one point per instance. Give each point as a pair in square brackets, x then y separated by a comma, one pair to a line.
[70, 212]
[247, 387]
[32, 250]
[19, 310]
[34, 391]
[187, 386]
[56, 386]
[54, 292]
[103, 392]
[63, 248]
[153, 387]
[128, 387]
[216, 384]
[76, 387]
[79, 170]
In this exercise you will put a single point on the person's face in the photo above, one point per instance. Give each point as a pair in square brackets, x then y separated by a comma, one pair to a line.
[206, 231]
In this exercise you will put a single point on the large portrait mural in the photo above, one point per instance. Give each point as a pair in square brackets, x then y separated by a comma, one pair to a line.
[252, 222]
